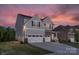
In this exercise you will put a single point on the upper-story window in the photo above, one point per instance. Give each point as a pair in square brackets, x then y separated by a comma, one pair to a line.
[50, 26]
[24, 20]
[32, 23]
[39, 24]
[46, 26]
[36, 23]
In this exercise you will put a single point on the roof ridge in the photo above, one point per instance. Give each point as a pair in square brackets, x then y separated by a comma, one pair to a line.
[25, 15]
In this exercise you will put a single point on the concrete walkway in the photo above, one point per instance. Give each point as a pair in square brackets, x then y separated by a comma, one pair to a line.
[57, 48]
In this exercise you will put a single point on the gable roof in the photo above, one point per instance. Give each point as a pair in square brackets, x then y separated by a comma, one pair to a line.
[62, 28]
[25, 15]
[45, 18]
[30, 16]
[65, 28]
[76, 26]
[59, 28]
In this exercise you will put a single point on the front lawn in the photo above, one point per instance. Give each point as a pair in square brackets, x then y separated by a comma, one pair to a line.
[15, 48]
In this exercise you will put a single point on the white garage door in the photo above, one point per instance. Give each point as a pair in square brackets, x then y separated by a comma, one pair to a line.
[72, 39]
[35, 39]
[47, 39]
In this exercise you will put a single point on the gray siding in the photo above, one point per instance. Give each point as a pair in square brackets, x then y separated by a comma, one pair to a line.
[19, 25]
[35, 30]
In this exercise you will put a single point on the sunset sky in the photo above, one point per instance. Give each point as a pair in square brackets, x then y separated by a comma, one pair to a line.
[59, 14]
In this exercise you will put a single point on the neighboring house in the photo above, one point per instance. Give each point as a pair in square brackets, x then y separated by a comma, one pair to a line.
[76, 27]
[71, 32]
[61, 33]
[71, 35]
[65, 33]
[33, 29]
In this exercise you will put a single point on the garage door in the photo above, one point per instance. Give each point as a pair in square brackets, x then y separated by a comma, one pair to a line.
[35, 39]
[47, 39]
[72, 39]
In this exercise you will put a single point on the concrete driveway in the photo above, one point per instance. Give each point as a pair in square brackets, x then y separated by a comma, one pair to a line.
[57, 48]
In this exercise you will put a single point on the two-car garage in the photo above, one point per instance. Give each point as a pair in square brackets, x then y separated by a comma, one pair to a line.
[37, 38]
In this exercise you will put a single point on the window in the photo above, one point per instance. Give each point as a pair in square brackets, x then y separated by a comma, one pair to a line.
[50, 26]
[25, 20]
[44, 24]
[32, 23]
[29, 35]
[33, 35]
[40, 35]
[39, 24]
[48, 36]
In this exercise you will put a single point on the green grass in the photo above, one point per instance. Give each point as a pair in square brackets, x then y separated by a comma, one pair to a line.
[15, 48]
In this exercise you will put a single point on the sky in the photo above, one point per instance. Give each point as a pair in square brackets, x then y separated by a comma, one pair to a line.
[60, 14]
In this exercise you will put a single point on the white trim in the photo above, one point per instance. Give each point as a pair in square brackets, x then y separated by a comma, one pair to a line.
[35, 29]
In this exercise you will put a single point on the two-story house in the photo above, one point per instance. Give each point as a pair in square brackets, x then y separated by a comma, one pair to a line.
[33, 29]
